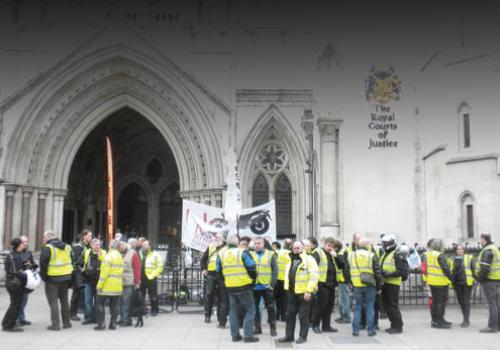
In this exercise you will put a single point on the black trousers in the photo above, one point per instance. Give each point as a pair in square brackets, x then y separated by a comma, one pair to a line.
[77, 300]
[281, 298]
[57, 293]
[151, 286]
[10, 317]
[390, 299]
[323, 306]
[216, 293]
[464, 293]
[297, 305]
[101, 309]
[439, 299]
[268, 297]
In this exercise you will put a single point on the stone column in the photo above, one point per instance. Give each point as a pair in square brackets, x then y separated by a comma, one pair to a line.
[40, 217]
[308, 128]
[10, 192]
[218, 199]
[25, 212]
[329, 224]
[58, 211]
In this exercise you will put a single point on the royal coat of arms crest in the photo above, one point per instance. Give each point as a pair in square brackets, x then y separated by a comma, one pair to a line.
[382, 86]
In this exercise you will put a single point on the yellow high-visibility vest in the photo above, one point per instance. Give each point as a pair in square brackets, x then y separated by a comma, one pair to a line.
[306, 275]
[339, 272]
[60, 261]
[494, 274]
[282, 261]
[233, 268]
[323, 264]
[360, 261]
[110, 278]
[153, 265]
[264, 268]
[212, 258]
[467, 258]
[435, 274]
[389, 265]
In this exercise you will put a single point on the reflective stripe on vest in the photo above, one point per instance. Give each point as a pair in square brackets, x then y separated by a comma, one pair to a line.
[282, 261]
[60, 261]
[323, 264]
[360, 261]
[435, 274]
[389, 265]
[233, 268]
[264, 268]
[494, 273]
[110, 279]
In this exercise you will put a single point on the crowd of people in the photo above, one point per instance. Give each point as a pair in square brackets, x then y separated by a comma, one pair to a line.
[295, 280]
[119, 277]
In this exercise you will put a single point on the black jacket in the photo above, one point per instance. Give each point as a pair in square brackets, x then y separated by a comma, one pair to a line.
[331, 274]
[15, 279]
[402, 268]
[44, 262]
[444, 266]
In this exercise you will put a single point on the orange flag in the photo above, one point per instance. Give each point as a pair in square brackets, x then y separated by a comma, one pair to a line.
[109, 156]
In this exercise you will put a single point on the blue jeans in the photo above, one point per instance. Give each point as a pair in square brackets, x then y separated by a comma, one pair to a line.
[244, 301]
[90, 297]
[365, 298]
[344, 302]
[24, 301]
[128, 292]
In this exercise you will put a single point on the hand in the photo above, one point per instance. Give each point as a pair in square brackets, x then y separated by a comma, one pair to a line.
[204, 272]
[270, 288]
[137, 286]
[307, 296]
[333, 253]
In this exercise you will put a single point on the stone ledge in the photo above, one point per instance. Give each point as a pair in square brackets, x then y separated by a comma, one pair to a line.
[475, 158]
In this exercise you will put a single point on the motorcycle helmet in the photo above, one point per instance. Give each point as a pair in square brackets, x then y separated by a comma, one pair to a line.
[388, 241]
[33, 279]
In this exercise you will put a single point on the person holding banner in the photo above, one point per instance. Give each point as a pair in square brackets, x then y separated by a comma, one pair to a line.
[239, 271]
[215, 289]
[267, 273]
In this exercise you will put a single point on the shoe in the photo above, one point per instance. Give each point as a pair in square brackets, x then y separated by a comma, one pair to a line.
[25, 323]
[75, 318]
[329, 330]
[257, 330]
[440, 325]
[66, 326]
[488, 330]
[465, 324]
[53, 328]
[14, 329]
[387, 330]
[301, 340]
[315, 330]
[355, 334]
[119, 322]
[126, 324]
[250, 340]
[273, 330]
[154, 314]
[238, 338]
[376, 327]
[207, 319]
[394, 331]
[112, 327]
[86, 322]
[285, 340]
[371, 334]
[99, 328]
[446, 322]
[221, 326]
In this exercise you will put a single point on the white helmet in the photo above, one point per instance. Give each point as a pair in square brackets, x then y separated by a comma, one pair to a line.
[33, 279]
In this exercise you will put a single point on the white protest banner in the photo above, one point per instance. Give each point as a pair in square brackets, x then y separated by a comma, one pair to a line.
[199, 224]
[258, 221]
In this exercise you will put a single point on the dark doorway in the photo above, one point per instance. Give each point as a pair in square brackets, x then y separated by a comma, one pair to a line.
[133, 211]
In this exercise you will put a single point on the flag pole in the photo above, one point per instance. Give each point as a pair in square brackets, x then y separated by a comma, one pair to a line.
[110, 177]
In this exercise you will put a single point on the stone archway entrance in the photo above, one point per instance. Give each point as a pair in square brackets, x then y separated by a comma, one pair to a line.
[144, 168]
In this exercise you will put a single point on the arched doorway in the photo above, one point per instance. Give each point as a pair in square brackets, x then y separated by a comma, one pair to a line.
[143, 166]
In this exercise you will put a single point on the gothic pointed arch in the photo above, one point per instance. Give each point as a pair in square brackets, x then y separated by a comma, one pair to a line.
[273, 147]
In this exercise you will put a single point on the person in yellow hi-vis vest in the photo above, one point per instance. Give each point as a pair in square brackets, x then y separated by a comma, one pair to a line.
[488, 274]
[463, 281]
[439, 279]
[267, 273]
[152, 267]
[325, 296]
[110, 286]
[343, 290]
[214, 284]
[365, 278]
[240, 272]
[301, 282]
[56, 269]
[91, 269]
[280, 294]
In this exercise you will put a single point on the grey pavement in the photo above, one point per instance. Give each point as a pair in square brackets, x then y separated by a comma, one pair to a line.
[187, 331]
